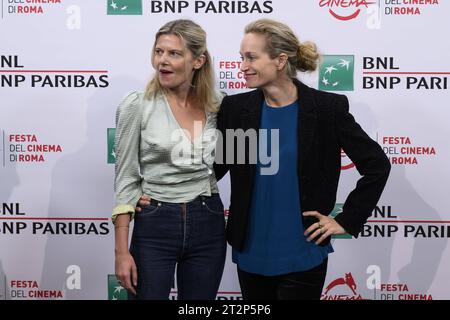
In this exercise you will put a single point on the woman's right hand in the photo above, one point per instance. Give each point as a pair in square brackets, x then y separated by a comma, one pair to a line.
[143, 202]
[126, 271]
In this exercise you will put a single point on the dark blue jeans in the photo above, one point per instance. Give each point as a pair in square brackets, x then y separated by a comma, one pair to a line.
[190, 236]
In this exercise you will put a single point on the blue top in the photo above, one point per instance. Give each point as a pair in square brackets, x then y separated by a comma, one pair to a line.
[275, 243]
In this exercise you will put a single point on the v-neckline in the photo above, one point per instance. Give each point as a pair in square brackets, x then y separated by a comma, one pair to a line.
[192, 141]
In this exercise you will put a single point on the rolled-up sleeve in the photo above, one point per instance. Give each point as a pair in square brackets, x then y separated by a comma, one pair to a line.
[127, 184]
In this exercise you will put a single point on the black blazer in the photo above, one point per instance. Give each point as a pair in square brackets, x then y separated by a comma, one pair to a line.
[324, 127]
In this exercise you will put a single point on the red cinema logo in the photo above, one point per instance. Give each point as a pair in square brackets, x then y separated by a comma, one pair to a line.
[347, 281]
[351, 7]
[341, 288]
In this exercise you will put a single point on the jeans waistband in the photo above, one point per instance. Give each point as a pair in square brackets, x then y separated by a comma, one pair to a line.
[198, 199]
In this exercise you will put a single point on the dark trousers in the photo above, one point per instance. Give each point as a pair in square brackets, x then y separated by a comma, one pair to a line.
[304, 285]
[190, 236]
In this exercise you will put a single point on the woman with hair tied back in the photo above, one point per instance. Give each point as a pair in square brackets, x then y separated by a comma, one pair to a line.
[278, 224]
[162, 142]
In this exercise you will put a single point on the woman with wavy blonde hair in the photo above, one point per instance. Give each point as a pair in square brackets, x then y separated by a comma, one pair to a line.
[161, 138]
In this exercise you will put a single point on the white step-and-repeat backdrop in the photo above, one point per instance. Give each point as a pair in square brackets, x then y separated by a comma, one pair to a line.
[66, 64]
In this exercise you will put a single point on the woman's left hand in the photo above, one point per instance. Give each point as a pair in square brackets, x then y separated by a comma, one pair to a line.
[144, 201]
[326, 226]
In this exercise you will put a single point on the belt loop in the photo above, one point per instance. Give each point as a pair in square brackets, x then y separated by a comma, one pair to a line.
[156, 202]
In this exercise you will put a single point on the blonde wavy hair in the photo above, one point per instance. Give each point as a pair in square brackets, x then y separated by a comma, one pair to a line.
[202, 86]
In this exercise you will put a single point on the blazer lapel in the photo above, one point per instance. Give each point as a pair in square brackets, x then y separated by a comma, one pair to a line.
[251, 120]
[251, 111]
[307, 121]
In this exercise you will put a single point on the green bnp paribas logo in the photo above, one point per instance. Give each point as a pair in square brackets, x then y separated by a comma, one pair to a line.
[110, 135]
[115, 290]
[336, 211]
[124, 7]
[336, 73]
